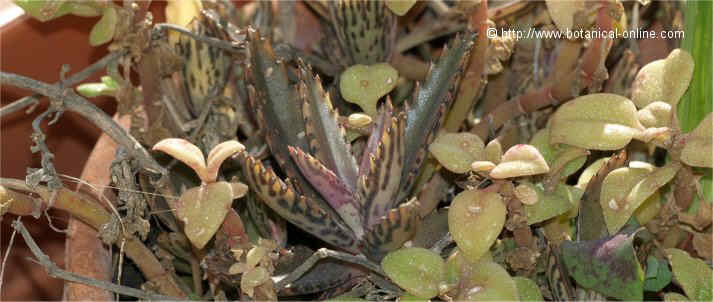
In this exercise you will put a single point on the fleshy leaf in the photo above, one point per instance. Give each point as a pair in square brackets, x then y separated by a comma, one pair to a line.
[589, 172]
[103, 30]
[699, 145]
[599, 121]
[678, 71]
[520, 160]
[591, 224]
[494, 151]
[527, 289]
[457, 151]
[663, 80]
[380, 180]
[396, 227]
[694, 275]
[615, 188]
[608, 266]
[326, 137]
[218, 154]
[564, 159]
[275, 105]
[45, 10]
[332, 189]
[657, 274]
[298, 209]
[429, 104]
[475, 220]
[203, 209]
[488, 281]
[551, 204]
[365, 30]
[417, 270]
[365, 85]
[655, 114]
[400, 7]
[186, 152]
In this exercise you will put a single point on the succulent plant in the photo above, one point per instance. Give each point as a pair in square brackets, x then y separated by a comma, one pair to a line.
[361, 208]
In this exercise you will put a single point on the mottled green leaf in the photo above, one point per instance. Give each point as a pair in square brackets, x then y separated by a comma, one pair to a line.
[607, 265]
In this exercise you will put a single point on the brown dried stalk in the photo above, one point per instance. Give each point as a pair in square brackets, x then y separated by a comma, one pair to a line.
[556, 92]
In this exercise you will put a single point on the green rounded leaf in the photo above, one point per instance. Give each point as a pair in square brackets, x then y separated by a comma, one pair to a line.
[699, 145]
[655, 114]
[663, 80]
[457, 151]
[45, 10]
[364, 85]
[488, 281]
[551, 204]
[520, 160]
[399, 7]
[694, 275]
[599, 121]
[527, 289]
[103, 31]
[615, 188]
[203, 209]
[417, 270]
[475, 220]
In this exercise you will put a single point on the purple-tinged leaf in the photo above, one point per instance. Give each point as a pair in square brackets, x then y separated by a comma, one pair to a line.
[337, 194]
[297, 209]
[608, 266]
[381, 122]
[327, 138]
[392, 230]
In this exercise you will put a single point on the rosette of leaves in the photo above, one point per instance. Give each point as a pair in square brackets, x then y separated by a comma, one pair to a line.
[202, 209]
[357, 206]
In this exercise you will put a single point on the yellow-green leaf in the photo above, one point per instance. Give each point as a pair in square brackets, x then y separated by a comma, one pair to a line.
[699, 145]
[694, 275]
[364, 85]
[520, 160]
[527, 289]
[399, 7]
[475, 220]
[417, 270]
[488, 281]
[457, 151]
[599, 121]
[103, 31]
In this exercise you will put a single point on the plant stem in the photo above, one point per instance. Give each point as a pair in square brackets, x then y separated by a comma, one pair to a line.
[54, 271]
[72, 101]
[86, 209]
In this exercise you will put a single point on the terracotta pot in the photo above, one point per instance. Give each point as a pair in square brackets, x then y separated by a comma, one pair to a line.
[38, 50]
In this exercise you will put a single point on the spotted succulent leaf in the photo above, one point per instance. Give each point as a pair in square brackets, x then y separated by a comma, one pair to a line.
[331, 187]
[365, 30]
[297, 209]
[379, 183]
[429, 104]
[392, 230]
[327, 138]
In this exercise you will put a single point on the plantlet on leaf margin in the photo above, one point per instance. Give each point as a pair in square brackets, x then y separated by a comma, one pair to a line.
[203, 209]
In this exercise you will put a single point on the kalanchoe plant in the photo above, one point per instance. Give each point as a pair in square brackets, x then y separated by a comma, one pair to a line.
[361, 207]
